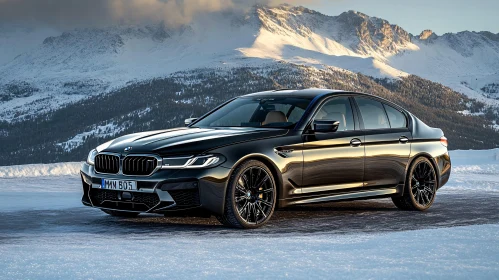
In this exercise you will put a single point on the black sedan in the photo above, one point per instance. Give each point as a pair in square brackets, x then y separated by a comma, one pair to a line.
[263, 151]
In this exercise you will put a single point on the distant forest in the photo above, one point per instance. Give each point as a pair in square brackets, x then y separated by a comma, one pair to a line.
[166, 102]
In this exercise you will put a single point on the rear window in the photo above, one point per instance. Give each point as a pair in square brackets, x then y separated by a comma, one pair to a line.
[397, 119]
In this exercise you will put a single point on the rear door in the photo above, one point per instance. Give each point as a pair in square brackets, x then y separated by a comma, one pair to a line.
[387, 142]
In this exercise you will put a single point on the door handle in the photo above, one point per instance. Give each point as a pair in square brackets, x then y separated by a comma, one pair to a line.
[403, 139]
[355, 142]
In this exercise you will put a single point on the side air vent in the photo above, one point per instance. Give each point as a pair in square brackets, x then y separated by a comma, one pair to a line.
[184, 198]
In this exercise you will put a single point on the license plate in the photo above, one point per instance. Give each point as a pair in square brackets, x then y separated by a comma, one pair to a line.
[118, 185]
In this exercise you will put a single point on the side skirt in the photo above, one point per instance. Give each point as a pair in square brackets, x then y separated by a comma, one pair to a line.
[384, 192]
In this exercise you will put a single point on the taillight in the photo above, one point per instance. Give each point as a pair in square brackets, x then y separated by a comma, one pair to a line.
[443, 141]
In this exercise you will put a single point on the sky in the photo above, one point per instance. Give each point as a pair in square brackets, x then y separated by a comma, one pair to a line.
[441, 16]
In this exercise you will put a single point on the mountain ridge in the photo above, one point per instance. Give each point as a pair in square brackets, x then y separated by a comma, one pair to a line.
[301, 36]
[192, 67]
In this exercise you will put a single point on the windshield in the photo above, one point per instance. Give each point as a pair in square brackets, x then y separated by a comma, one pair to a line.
[278, 112]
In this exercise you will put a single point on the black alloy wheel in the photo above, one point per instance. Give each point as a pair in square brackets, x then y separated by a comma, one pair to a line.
[421, 187]
[423, 182]
[251, 196]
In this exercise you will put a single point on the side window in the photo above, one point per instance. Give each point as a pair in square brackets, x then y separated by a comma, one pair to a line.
[397, 119]
[373, 113]
[337, 109]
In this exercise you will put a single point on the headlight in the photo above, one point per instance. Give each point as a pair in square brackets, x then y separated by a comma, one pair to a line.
[91, 157]
[192, 161]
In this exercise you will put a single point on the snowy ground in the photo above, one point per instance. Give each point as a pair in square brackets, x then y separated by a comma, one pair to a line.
[45, 233]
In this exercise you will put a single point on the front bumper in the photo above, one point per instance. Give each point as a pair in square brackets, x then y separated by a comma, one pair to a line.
[162, 192]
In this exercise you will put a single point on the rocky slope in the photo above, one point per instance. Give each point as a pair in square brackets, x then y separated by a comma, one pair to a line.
[75, 64]
[57, 89]
[67, 134]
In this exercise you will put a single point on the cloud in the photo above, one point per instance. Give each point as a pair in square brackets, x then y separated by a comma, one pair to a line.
[78, 13]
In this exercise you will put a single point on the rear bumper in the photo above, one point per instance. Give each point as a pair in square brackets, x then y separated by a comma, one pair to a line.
[164, 191]
[444, 166]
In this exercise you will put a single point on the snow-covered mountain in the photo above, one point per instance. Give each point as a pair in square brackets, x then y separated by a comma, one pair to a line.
[43, 74]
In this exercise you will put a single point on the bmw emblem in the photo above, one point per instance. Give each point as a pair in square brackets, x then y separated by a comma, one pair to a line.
[128, 149]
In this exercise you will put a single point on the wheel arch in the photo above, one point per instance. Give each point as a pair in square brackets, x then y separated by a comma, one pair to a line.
[276, 173]
[427, 156]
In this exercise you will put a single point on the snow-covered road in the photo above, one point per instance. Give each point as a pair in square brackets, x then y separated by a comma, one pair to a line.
[46, 233]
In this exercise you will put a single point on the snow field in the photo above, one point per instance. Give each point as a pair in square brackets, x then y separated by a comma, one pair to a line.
[100, 247]
[449, 253]
[39, 170]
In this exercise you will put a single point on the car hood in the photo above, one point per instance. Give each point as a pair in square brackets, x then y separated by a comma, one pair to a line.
[185, 141]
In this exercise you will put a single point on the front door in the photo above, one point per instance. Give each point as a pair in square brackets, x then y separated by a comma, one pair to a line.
[333, 161]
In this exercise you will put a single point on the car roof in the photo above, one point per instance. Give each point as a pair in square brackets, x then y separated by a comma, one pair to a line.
[312, 93]
[304, 93]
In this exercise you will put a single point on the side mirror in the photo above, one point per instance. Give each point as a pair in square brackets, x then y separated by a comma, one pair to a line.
[189, 121]
[326, 126]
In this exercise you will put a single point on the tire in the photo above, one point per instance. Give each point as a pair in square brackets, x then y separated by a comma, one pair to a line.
[222, 220]
[251, 196]
[122, 214]
[420, 188]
